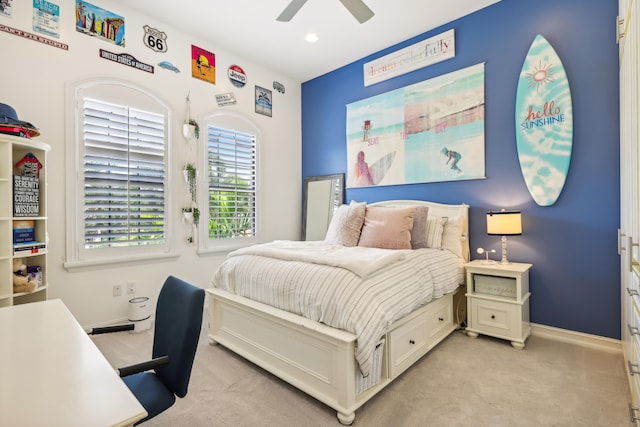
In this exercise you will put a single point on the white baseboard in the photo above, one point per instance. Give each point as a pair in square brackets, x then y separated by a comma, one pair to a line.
[585, 340]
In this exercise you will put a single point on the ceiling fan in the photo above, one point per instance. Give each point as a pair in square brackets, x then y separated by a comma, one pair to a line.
[358, 9]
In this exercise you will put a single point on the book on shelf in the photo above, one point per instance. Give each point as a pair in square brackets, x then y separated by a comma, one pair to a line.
[23, 231]
[29, 248]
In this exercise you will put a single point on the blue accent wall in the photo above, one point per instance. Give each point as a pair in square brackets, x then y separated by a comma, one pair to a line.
[575, 280]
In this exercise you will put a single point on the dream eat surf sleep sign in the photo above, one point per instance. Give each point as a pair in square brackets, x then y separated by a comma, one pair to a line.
[418, 55]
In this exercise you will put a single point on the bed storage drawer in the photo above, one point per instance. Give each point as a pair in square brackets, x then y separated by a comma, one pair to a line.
[406, 345]
[440, 320]
[411, 339]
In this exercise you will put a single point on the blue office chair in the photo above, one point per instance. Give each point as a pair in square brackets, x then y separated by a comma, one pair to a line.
[156, 383]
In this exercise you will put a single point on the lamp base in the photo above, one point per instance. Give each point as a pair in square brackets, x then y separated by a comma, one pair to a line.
[504, 259]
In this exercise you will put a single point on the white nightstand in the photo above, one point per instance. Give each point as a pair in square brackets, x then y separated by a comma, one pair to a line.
[498, 301]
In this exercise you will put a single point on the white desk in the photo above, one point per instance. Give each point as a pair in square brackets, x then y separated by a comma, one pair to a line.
[52, 374]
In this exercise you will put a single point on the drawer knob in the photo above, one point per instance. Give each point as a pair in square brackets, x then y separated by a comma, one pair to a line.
[440, 319]
[493, 316]
[412, 342]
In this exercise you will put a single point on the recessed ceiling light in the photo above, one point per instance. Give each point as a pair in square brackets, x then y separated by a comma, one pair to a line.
[311, 37]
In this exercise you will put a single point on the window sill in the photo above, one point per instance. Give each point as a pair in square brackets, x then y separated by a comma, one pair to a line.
[96, 264]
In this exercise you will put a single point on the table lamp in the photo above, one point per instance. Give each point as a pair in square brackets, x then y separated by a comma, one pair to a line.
[504, 223]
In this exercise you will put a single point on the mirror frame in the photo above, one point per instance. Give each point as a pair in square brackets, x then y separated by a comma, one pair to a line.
[338, 200]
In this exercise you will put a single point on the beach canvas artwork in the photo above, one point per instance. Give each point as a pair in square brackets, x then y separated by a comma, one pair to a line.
[430, 131]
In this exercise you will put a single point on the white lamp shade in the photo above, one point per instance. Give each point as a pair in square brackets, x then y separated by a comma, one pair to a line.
[504, 223]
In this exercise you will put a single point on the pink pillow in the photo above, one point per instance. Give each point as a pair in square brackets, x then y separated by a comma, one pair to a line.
[387, 227]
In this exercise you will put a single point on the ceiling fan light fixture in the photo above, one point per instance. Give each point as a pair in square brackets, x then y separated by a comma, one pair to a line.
[311, 38]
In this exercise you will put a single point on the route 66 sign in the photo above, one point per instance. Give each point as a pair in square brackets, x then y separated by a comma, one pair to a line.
[155, 39]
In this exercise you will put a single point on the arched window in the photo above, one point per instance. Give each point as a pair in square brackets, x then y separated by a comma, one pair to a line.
[117, 175]
[231, 153]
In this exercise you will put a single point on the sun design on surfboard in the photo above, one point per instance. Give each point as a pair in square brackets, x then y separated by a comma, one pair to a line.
[541, 75]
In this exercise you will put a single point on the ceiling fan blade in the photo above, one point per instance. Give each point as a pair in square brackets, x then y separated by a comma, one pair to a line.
[290, 11]
[358, 9]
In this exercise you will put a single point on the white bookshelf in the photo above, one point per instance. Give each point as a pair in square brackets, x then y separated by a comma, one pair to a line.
[12, 149]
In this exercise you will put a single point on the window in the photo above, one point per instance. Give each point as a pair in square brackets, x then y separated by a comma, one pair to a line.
[123, 175]
[232, 183]
[118, 195]
[231, 158]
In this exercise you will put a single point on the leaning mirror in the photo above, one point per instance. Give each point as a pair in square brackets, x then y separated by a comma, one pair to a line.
[322, 196]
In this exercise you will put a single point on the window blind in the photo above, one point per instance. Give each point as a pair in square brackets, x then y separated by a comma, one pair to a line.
[124, 175]
[232, 183]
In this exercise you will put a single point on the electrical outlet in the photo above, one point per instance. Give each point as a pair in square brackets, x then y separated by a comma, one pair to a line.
[117, 290]
[131, 287]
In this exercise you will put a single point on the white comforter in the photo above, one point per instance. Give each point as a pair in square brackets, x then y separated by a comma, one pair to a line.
[359, 260]
[360, 290]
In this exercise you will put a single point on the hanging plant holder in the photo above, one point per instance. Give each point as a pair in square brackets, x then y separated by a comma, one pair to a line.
[191, 177]
[187, 214]
[190, 128]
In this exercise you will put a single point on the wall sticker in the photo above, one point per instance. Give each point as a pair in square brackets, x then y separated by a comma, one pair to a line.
[46, 18]
[6, 8]
[237, 76]
[264, 103]
[97, 22]
[154, 39]
[203, 65]
[168, 66]
[126, 59]
[34, 37]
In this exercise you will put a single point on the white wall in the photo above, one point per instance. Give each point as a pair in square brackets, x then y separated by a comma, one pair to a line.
[34, 79]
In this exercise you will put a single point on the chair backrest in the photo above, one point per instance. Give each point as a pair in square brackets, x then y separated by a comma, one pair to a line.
[177, 331]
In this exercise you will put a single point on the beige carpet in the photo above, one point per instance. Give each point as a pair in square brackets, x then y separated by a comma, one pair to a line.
[462, 382]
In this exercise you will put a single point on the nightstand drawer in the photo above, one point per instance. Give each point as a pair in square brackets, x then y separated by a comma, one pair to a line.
[495, 318]
[492, 285]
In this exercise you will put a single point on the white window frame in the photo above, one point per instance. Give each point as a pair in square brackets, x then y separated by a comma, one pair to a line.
[78, 257]
[232, 121]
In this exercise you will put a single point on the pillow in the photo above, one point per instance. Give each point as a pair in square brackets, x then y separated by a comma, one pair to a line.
[344, 228]
[452, 235]
[387, 227]
[419, 230]
[435, 228]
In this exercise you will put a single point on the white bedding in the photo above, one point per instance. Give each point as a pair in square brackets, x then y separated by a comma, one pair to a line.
[359, 260]
[363, 304]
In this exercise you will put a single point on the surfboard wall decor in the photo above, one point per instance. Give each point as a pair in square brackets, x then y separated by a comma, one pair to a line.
[544, 122]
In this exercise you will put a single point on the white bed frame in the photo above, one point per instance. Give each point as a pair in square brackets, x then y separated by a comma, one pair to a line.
[318, 359]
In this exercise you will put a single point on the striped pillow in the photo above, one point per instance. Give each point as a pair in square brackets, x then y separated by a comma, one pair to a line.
[435, 227]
